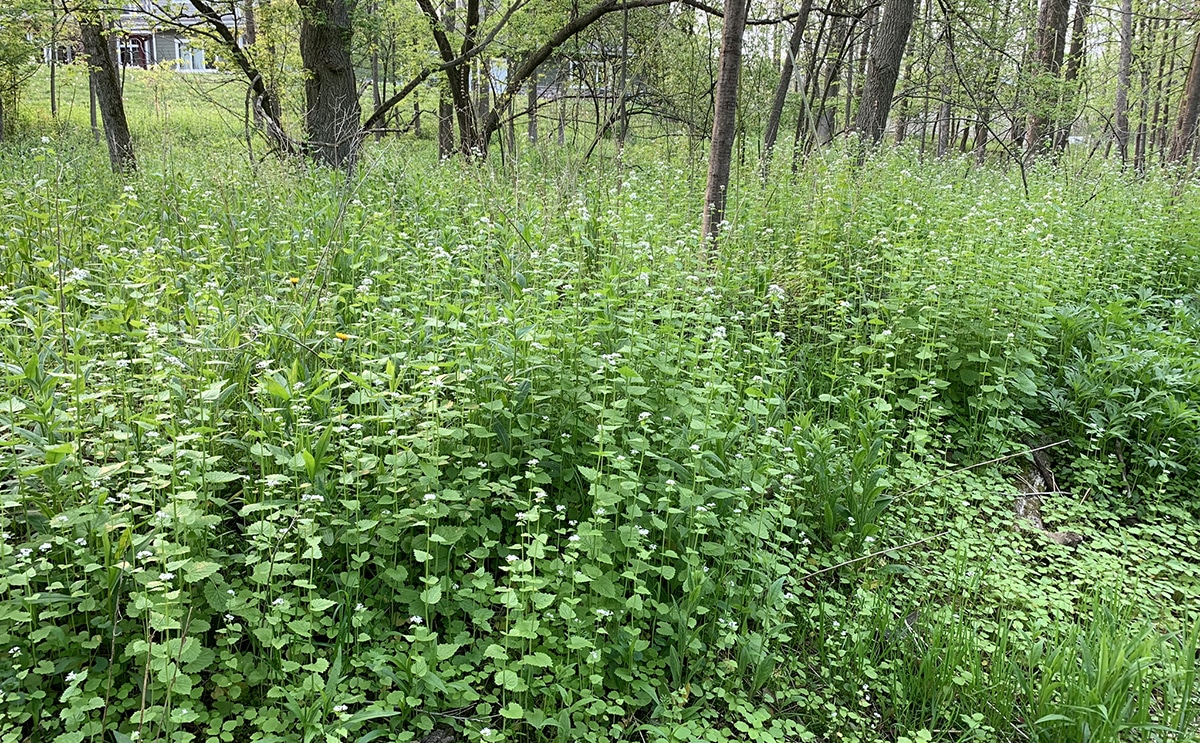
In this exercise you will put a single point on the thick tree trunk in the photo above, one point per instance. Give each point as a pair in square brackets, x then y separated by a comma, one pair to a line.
[332, 114]
[1189, 108]
[1124, 65]
[883, 69]
[1051, 42]
[785, 81]
[724, 117]
[107, 86]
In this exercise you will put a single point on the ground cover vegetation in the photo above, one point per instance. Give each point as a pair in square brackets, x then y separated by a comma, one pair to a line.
[494, 451]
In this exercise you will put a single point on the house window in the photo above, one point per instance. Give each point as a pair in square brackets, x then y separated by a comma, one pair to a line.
[187, 57]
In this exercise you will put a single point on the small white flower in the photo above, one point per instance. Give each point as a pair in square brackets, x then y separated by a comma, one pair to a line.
[643, 532]
[228, 617]
[166, 576]
[45, 546]
[341, 708]
[430, 497]
[670, 482]
[643, 415]
[414, 619]
[277, 602]
[573, 538]
[45, 140]
[359, 607]
[511, 558]
[485, 732]
[82, 542]
[694, 447]
[71, 677]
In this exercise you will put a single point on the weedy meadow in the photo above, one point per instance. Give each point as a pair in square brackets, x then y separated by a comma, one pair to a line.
[497, 448]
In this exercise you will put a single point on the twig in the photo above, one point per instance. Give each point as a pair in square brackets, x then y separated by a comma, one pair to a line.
[873, 554]
[907, 493]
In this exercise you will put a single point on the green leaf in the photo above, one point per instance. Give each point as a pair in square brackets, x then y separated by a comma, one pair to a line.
[510, 680]
[322, 604]
[512, 711]
[198, 571]
[221, 477]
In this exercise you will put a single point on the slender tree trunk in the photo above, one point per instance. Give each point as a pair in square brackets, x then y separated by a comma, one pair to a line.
[785, 80]
[445, 126]
[1074, 61]
[1051, 42]
[944, 110]
[53, 61]
[724, 117]
[1164, 133]
[902, 114]
[531, 108]
[93, 111]
[107, 86]
[1184, 137]
[1124, 64]
[332, 114]
[1139, 146]
[883, 69]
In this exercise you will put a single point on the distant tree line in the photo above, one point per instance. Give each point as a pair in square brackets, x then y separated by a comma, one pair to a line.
[1013, 79]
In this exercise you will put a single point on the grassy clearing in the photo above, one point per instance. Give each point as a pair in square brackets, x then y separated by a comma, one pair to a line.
[289, 457]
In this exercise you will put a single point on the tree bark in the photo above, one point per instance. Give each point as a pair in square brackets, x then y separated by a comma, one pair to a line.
[53, 62]
[332, 112]
[1051, 42]
[531, 108]
[1124, 65]
[724, 117]
[1074, 63]
[883, 69]
[785, 81]
[107, 86]
[445, 126]
[1189, 108]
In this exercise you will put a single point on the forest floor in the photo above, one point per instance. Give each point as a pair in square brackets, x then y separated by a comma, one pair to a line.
[496, 451]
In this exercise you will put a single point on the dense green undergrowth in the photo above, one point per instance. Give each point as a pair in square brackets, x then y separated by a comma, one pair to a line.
[292, 457]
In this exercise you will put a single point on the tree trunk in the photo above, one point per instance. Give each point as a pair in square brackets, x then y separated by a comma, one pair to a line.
[1051, 42]
[531, 109]
[53, 62]
[107, 86]
[1124, 64]
[724, 116]
[459, 77]
[785, 80]
[445, 126]
[1164, 130]
[1139, 145]
[1189, 107]
[332, 114]
[1074, 62]
[883, 69]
